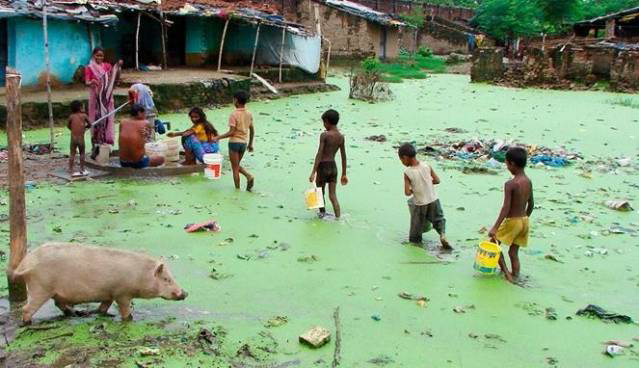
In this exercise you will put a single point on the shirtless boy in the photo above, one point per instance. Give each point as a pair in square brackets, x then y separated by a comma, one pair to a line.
[78, 124]
[325, 169]
[511, 227]
[133, 133]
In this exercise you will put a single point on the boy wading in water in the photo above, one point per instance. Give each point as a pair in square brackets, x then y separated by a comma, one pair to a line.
[325, 169]
[240, 136]
[511, 227]
[78, 124]
[424, 206]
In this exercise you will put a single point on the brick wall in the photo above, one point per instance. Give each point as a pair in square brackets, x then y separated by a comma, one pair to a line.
[452, 13]
[350, 36]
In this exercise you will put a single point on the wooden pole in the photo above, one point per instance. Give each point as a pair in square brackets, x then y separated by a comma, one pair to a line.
[137, 42]
[17, 215]
[48, 70]
[282, 52]
[91, 37]
[163, 29]
[328, 57]
[318, 23]
[257, 39]
[219, 56]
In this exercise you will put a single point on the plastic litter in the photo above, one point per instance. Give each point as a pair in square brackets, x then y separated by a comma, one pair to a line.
[598, 312]
[211, 226]
[619, 205]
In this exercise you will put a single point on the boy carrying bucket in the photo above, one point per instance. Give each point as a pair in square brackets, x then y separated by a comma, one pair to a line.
[241, 133]
[324, 168]
[424, 206]
[511, 227]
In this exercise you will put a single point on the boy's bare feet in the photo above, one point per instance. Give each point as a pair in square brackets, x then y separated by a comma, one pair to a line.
[249, 184]
[445, 244]
[509, 277]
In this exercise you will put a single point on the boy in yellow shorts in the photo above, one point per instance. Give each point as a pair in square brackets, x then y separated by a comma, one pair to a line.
[511, 227]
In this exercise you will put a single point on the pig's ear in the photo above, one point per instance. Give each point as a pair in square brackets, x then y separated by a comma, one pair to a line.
[159, 269]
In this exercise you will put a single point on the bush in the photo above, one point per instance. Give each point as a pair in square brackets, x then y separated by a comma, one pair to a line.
[424, 51]
[371, 65]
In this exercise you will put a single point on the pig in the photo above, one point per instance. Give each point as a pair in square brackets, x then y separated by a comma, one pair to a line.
[73, 274]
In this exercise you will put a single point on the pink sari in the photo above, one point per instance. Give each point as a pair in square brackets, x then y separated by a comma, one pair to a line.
[101, 101]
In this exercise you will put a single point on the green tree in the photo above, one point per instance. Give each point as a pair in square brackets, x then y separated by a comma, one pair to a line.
[509, 19]
[595, 8]
[557, 13]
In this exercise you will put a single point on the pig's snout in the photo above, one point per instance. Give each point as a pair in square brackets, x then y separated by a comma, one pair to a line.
[181, 295]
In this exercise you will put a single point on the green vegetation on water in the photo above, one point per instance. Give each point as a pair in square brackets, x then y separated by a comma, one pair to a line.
[278, 259]
[407, 66]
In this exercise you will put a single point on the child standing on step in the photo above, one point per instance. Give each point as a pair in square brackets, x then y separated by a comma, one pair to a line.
[78, 124]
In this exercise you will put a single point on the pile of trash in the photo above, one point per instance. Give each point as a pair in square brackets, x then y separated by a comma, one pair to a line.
[493, 152]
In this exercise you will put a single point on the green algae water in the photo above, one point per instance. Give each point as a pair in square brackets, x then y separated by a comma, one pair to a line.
[274, 258]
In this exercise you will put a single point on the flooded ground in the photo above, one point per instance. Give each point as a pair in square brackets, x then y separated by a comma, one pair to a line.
[274, 258]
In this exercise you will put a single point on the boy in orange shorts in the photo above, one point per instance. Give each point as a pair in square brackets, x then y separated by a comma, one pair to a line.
[511, 227]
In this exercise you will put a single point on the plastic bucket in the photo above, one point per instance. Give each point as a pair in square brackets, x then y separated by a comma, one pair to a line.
[213, 163]
[314, 198]
[155, 148]
[487, 258]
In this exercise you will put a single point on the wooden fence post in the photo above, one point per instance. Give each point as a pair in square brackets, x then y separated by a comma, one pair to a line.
[257, 39]
[282, 52]
[165, 64]
[137, 42]
[17, 212]
[219, 57]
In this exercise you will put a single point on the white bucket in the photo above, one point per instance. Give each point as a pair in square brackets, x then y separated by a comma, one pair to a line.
[173, 146]
[213, 163]
[155, 149]
[104, 154]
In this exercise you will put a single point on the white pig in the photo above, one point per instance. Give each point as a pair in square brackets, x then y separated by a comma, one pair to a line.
[73, 274]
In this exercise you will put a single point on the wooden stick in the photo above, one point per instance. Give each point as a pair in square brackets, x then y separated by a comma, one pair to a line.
[48, 69]
[17, 207]
[318, 24]
[257, 39]
[282, 52]
[219, 56]
[328, 57]
[337, 355]
[137, 43]
[163, 29]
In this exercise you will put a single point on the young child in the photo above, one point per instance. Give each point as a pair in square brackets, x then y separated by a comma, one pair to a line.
[511, 227]
[240, 134]
[78, 124]
[325, 169]
[424, 207]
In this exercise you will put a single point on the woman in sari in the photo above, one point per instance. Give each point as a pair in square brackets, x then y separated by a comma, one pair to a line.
[197, 140]
[100, 77]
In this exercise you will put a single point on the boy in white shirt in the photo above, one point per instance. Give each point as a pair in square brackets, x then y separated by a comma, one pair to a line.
[424, 206]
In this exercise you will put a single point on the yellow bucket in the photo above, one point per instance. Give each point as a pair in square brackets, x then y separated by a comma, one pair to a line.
[487, 258]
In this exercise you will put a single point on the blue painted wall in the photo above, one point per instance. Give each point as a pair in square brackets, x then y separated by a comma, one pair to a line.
[203, 36]
[69, 48]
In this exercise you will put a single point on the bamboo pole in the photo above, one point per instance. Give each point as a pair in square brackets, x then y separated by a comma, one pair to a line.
[219, 56]
[137, 42]
[17, 215]
[282, 52]
[163, 30]
[257, 39]
[328, 57]
[48, 70]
